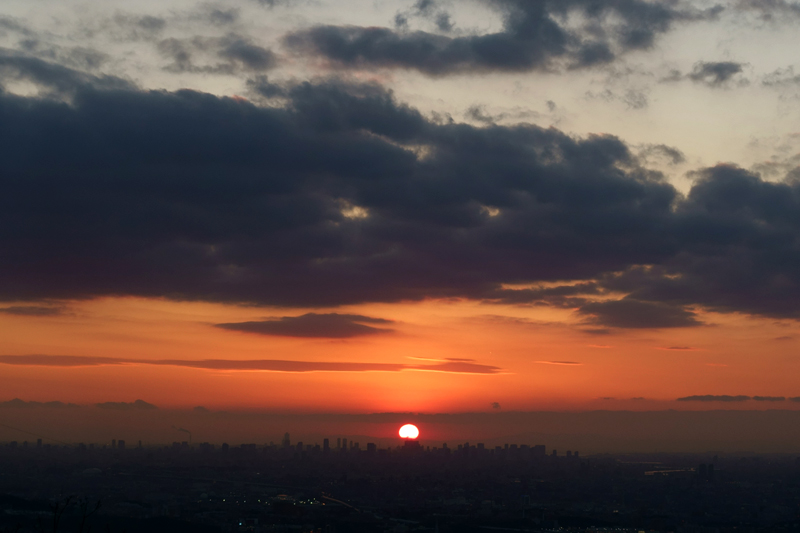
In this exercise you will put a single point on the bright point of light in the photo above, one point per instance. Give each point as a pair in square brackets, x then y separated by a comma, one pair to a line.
[409, 431]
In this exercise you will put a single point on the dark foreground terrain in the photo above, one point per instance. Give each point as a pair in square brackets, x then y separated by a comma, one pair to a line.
[298, 488]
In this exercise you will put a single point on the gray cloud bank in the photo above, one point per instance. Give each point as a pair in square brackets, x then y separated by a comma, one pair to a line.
[536, 35]
[16, 403]
[339, 194]
[139, 405]
[232, 53]
[740, 398]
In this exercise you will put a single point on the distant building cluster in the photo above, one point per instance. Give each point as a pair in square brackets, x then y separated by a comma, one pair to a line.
[342, 446]
[340, 487]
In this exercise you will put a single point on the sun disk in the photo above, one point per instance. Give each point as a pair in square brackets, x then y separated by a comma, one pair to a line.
[409, 431]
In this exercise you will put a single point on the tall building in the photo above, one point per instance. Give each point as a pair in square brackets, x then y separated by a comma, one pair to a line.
[286, 443]
[326, 446]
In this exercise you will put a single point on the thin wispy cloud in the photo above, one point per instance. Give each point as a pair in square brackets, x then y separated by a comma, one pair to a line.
[769, 398]
[137, 405]
[32, 310]
[677, 348]
[714, 398]
[257, 365]
[314, 325]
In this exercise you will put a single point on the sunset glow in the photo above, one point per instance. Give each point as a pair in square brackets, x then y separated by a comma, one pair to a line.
[258, 210]
[409, 431]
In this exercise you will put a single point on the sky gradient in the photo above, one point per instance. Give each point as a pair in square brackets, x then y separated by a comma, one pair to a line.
[397, 206]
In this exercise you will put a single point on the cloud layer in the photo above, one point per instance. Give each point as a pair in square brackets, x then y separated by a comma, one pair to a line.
[536, 35]
[16, 403]
[740, 398]
[339, 194]
[453, 366]
[331, 325]
[138, 405]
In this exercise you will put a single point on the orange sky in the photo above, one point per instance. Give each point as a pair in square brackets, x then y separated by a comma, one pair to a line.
[518, 344]
[626, 182]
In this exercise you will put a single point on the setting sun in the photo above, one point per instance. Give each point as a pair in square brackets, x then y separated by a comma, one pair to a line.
[409, 431]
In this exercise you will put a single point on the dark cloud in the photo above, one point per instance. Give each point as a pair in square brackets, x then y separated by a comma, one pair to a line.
[565, 296]
[425, 9]
[81, 58]
[264, 365]
[138, 27]
[31, 310]
[674, 75]
[715, 74]
[478, 113]
[22, 404]
[52, 78]
[794, 399]
[443, 22]
[739, 237]
[57, 360]
[237, 53]
[259, 87]
[725, 398]
[342, 195]
[138, 405]
[332, 325]
[248, 55]
[13, 25]
[219, 16]
[678, 348]
[672, 155]
[536, 35]
[631, 313]
[632, 98]
[561, 363]
[781, 77]
[714, 398]
[770, 9]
